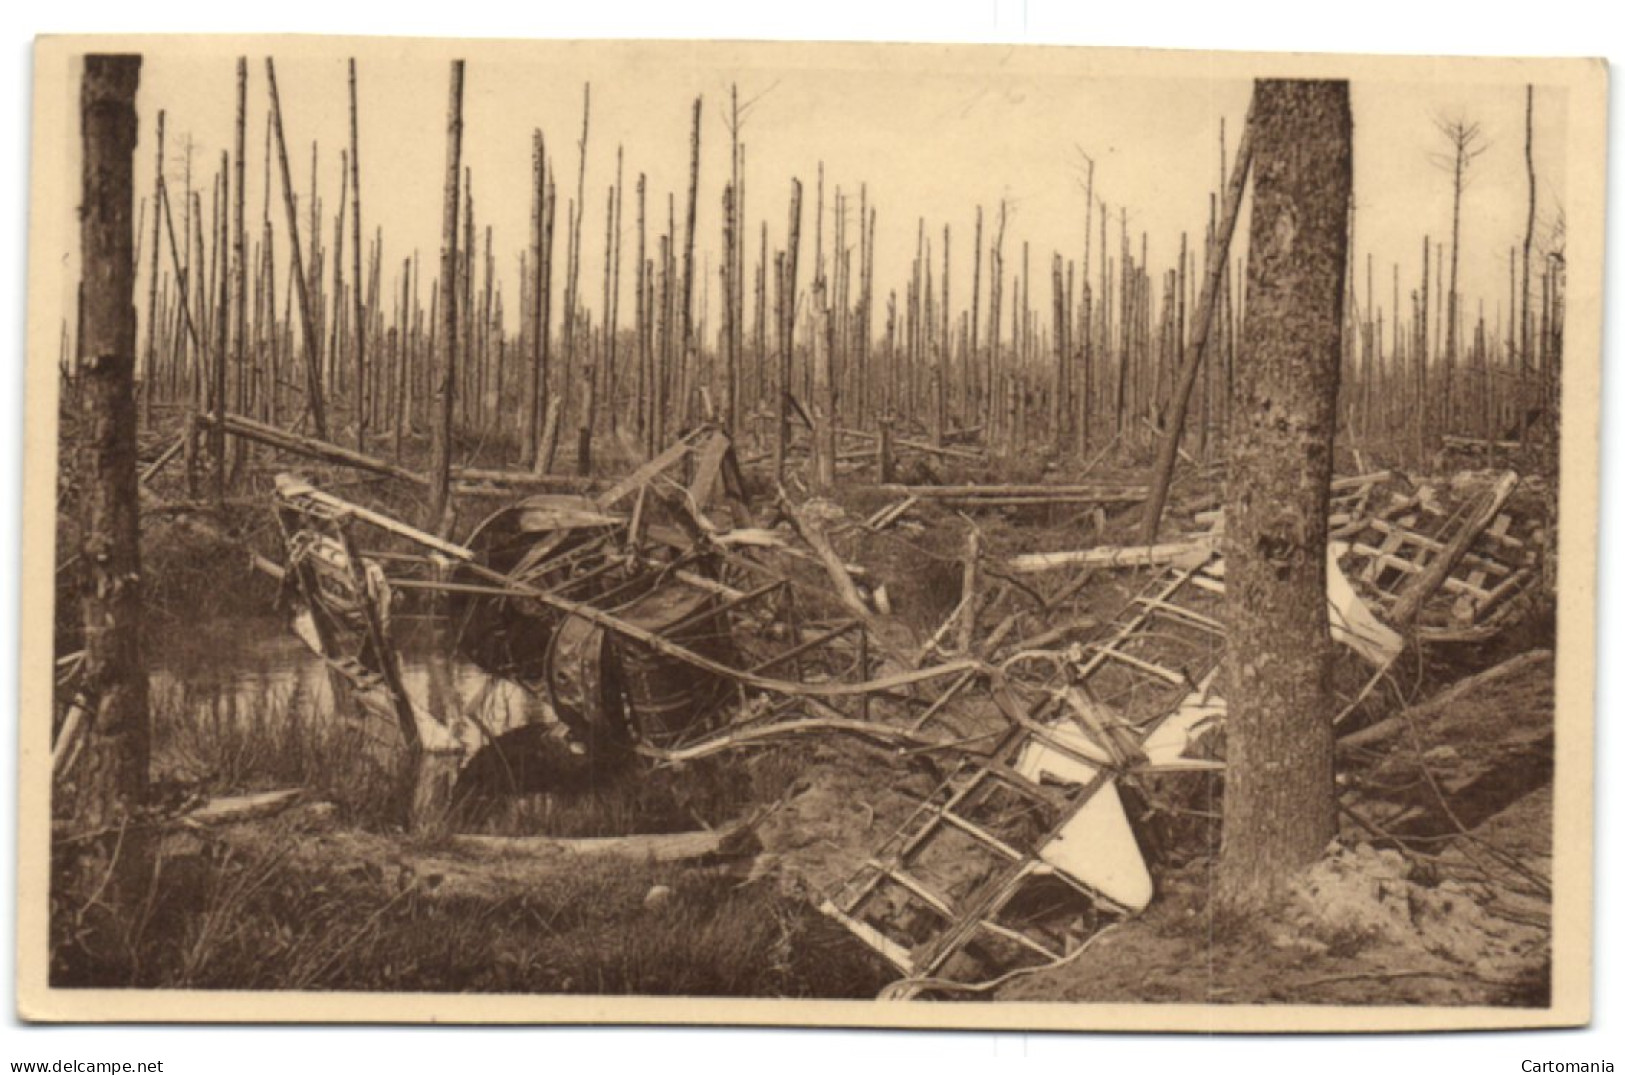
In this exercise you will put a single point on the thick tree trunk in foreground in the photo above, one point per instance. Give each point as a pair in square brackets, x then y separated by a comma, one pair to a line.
[110, 778]
[1279, 806]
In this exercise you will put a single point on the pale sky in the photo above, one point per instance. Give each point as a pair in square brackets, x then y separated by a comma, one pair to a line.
[933, 130]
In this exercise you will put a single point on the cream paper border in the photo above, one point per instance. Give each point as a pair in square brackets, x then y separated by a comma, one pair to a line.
[1586, 80]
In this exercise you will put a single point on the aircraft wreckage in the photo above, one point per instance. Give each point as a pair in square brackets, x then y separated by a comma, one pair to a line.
[661, 624]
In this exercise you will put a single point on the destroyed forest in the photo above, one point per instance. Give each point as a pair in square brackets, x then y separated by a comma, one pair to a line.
[700, 525]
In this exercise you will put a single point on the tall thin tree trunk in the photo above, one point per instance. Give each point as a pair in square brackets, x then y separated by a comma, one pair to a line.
[1168, 447]
[640, 424]
[689, 350]
[360, 314]
[440, 466]
[537, 377]
[975, 324]
[614, 313]
[307, 315]
[149, 375]
[1450, 300]
[572, 261]
[221, 329]
[239, 260]
[824, 437]
[544, 450]
[730, 364]
[1526, 341]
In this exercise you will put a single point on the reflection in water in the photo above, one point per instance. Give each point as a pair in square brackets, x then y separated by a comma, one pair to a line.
[245, 668]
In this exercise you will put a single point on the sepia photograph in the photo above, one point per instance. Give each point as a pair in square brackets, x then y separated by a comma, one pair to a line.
[821, 534]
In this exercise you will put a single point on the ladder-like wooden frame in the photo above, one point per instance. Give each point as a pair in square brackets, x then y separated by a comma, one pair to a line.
[890, 868]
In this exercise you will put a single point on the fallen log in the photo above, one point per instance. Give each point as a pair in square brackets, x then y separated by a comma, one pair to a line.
[920, 446]
[269, 568]
[845, 588]
[968, 582]
[1113, 556]
[213, 813]
[65, 750]
[163, 458]
[661, 847]
[522, 479]
[1103, 492]
[242, 807]
[647, 472]
[983, 502]
[882, 733]
[469, 479]
[1357, 481]
[1044, 639]
[310, 447]
[1479, 444]
[890, 514]
[1387, 729]
[289, 486]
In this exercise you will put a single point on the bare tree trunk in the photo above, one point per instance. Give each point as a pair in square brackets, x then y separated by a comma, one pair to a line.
[730, 314]
[572, 261]
[359, 309]
[221, 327]
[149, 383]
[1466, 146]
[787, 325]
[537, 377]
[761, 325]
[1168, 447]
[867, 289]
[239, 277]
[239, 256]
[824, 438]
[975, 322]
[335, 331]
[944, 347]
[737, 345]
[595, 373]
[307, 316]
[440, 467]
[640, 425]
[544, 451]
[1526, 342]
[405, 362]
[995, 293]
[661, 359]
[689, 351]
[110, 781]
[1422, 399]
[614, 313]
[469, 365]
[1280, 809]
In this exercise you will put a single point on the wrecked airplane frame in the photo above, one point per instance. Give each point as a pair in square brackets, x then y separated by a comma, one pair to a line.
[658, 621]
[652, 631]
